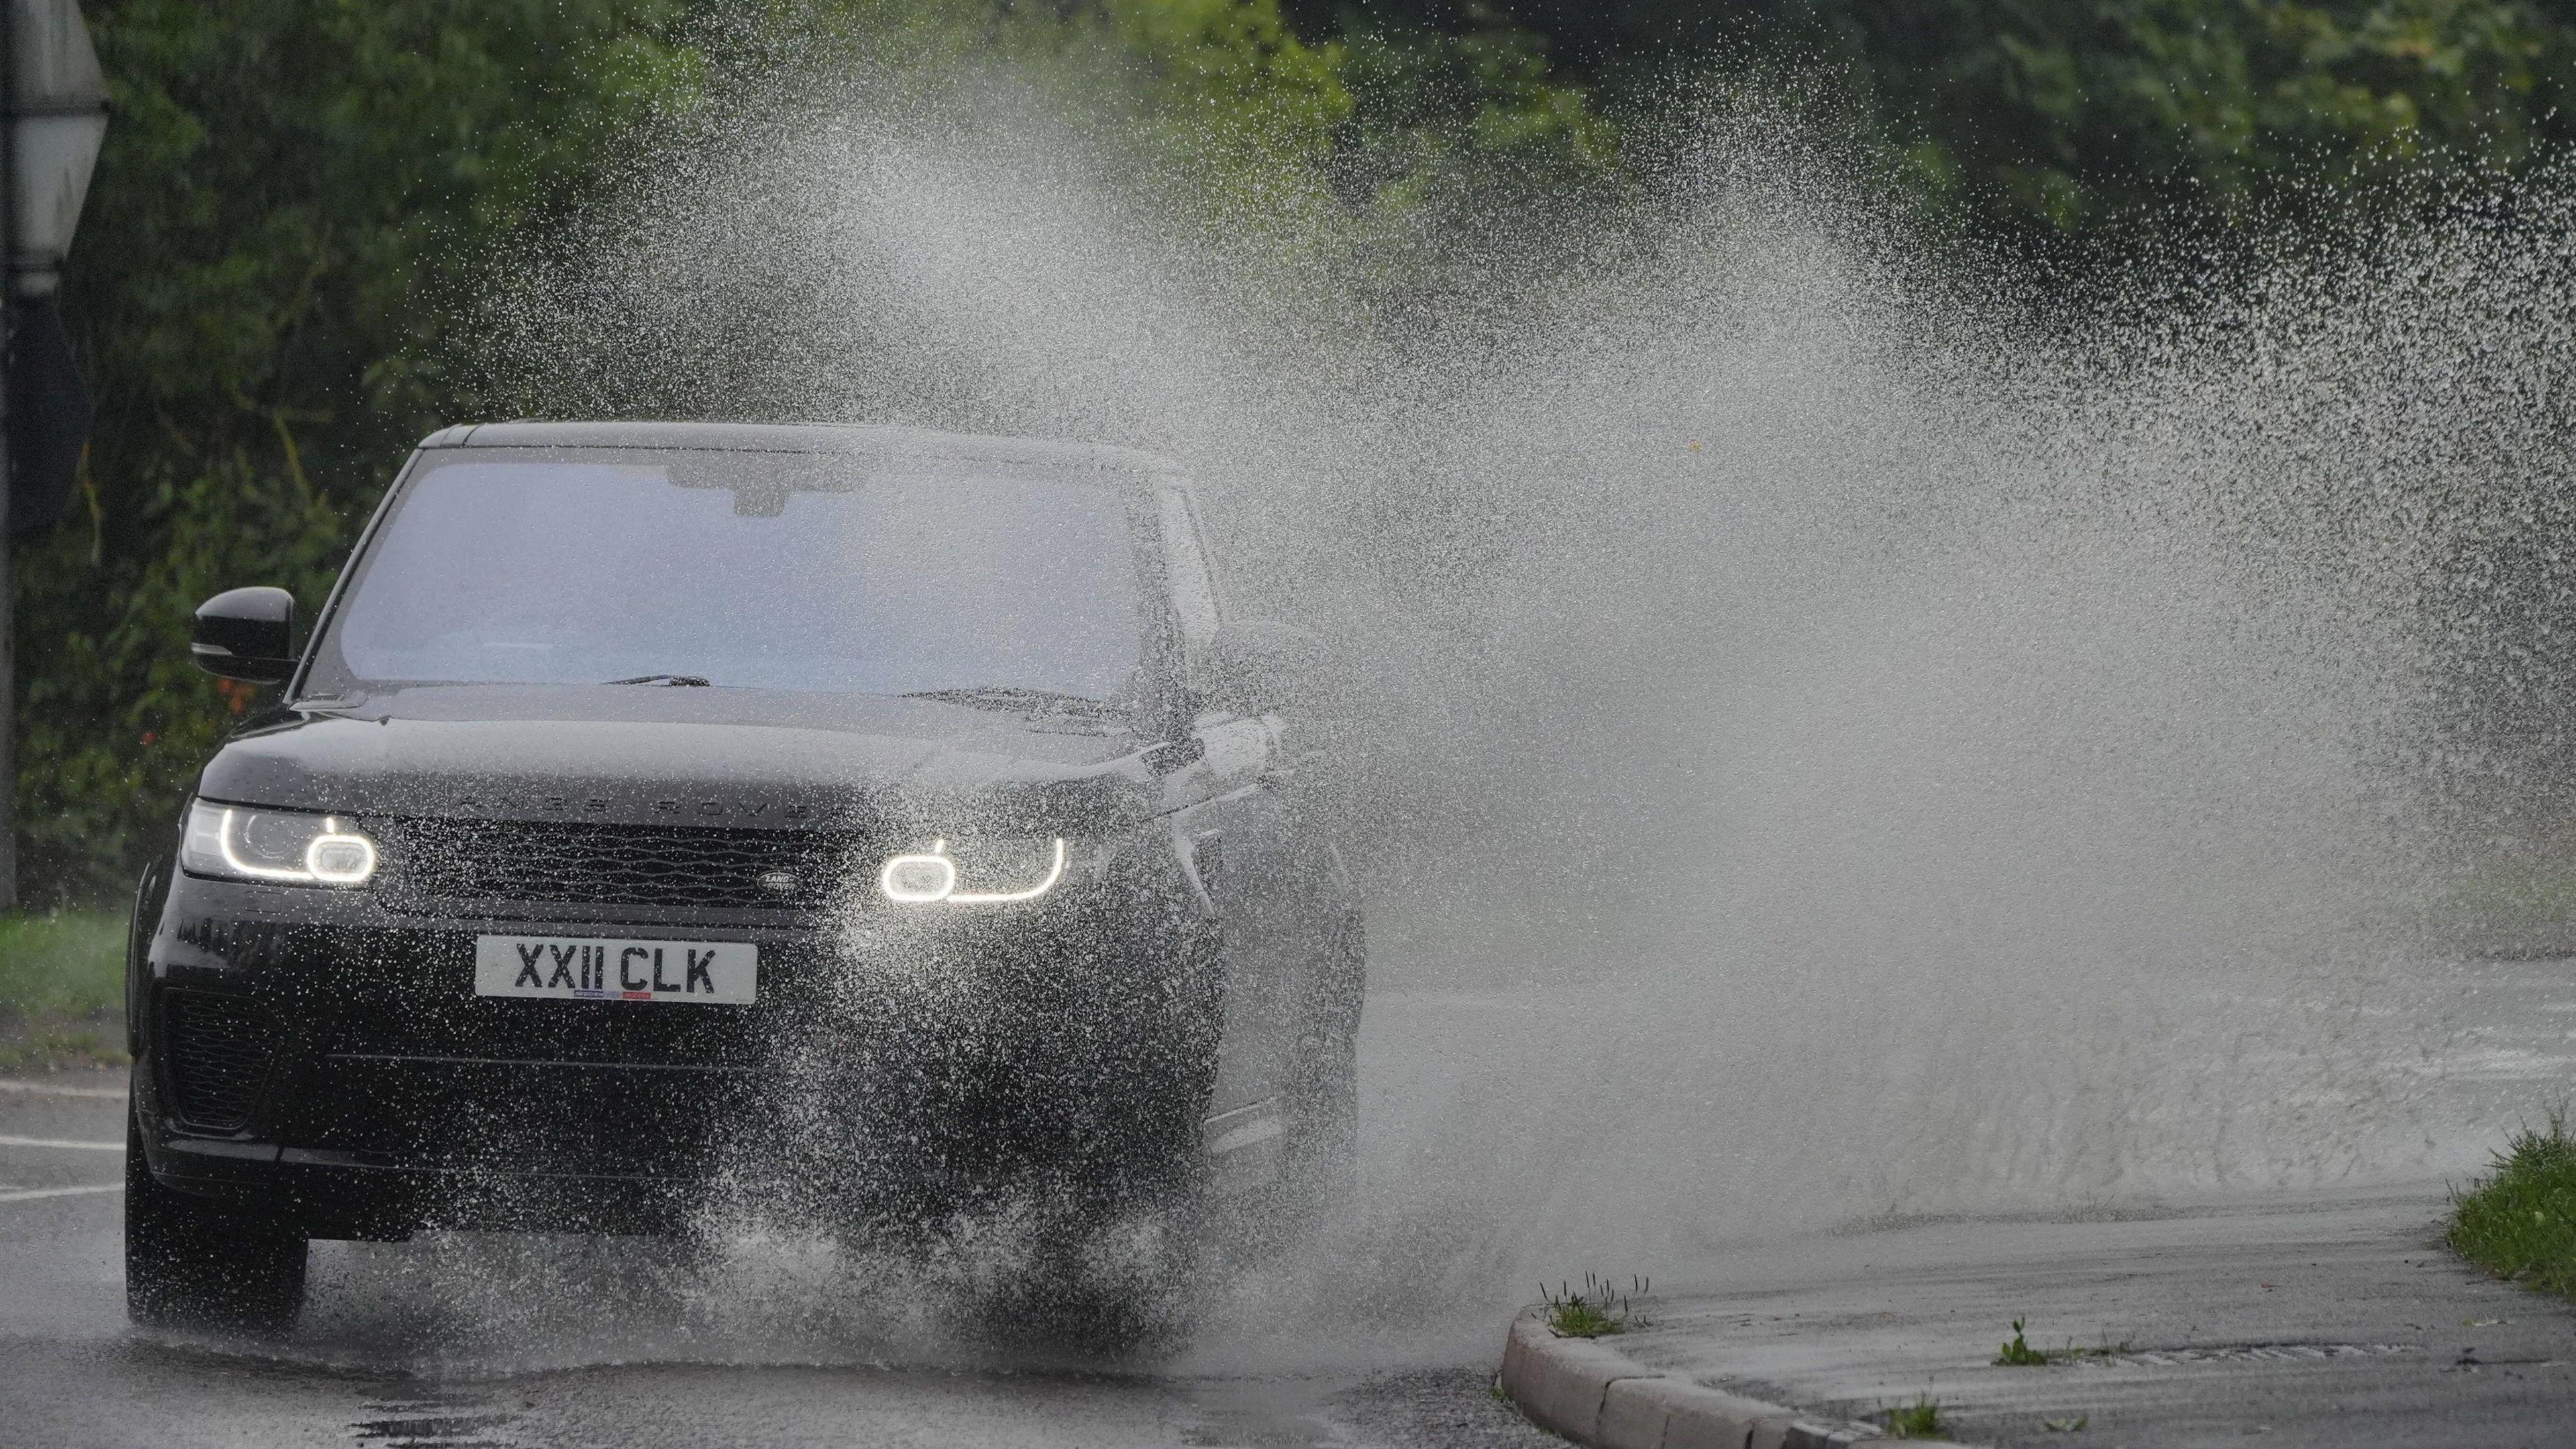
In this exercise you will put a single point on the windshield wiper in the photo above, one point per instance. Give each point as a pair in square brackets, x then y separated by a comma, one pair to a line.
[670, 679]
[1021, 700]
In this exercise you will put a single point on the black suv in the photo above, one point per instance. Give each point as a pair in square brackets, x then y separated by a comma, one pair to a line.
[668, 824]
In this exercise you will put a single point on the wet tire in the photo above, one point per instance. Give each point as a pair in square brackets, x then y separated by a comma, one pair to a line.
[1318, 1170]
[1324, 1097]
[194, 1263]
[1099, 1292]
[1323, 1161]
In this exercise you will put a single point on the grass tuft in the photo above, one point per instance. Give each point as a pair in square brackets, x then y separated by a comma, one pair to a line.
[2019, 1354]
[62, 989]
[1597, 1311]
[1918, 1420]
[2520, 1222]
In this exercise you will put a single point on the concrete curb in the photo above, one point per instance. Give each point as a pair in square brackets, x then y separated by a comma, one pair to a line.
[1597, 1396]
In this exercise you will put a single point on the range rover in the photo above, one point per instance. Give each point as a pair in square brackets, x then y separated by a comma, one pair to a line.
[668, 823]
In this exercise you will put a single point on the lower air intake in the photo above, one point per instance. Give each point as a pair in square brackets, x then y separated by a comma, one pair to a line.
[220, 1049]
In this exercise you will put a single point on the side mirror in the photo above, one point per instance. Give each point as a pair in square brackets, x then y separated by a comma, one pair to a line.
[1260, 665]
[246, 634]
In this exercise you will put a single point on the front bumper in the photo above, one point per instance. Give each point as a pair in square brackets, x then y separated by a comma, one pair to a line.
[328, 1057]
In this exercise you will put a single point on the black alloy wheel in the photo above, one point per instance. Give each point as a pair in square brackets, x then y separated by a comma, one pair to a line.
[194, 1263]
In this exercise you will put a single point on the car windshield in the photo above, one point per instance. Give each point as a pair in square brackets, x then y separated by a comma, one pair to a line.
[792, 572]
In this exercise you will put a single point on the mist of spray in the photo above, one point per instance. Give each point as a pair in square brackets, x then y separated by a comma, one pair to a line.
[1827, 735]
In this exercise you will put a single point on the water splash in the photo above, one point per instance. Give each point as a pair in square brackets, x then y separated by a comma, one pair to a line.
[1835, 729]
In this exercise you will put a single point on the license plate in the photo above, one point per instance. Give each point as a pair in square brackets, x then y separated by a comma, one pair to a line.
[590, 968]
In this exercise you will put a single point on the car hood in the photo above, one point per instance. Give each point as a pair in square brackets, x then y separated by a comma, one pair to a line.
[642, 754]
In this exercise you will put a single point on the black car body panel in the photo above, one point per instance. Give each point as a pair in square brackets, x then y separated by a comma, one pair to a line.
[666, 757]
[324, 1052]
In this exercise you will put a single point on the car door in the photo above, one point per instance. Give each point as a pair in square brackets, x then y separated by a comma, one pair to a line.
[1283, 903]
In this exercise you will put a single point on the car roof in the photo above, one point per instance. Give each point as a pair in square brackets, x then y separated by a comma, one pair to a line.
[806, 438]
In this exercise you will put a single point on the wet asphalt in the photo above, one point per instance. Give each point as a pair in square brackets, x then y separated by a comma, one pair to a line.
[2308, 1320]
[73, 1372]
[504, 1341]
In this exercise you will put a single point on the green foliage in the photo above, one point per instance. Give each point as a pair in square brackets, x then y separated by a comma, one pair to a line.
[1236, 56]
[1244, 110]
[272, 293]
[2520, 1222]
[1596, 1310]
[62, 987]
[2019, 1354]
[1485, 96]
[2089, 116]
[274, 280]
[289, 187]
[62, 963]
[2073, 112]
[1918, 1420]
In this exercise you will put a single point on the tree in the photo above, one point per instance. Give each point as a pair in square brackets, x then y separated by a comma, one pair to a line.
[256, 298]
[2061, 115]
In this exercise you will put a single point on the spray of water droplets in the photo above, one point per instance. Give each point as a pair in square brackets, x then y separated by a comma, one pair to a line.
[1832, 728]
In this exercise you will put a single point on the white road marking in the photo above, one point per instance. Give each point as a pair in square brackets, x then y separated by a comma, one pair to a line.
[48, 1089]
[62, 1142]
[29, 1194]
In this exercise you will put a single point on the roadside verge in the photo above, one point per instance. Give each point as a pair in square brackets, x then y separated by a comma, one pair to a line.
[1597, 1396]
[62, 990]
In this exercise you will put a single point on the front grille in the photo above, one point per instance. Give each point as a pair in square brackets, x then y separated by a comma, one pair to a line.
[580, 863]
[244, 945]
[220, 1049]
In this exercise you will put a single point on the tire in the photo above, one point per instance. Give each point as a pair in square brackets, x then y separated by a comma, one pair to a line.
[1322, 1170]
[198, 1264]
[1099, 1292]
[1328, 1091]
[1324, 1162]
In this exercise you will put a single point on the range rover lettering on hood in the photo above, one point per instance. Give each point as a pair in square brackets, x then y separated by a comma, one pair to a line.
[756, 810]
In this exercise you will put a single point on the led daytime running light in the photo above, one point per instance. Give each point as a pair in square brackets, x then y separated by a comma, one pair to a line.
[337, 844]
[916, 895]
[356, 853]
[892, 879]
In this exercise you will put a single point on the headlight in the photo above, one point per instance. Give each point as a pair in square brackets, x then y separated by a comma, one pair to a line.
[977, 873]
[293, 847]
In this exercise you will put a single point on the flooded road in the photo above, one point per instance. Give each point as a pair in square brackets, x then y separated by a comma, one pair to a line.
[72, 1372]
[1388, 1339]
